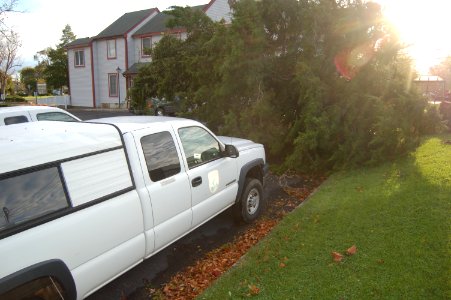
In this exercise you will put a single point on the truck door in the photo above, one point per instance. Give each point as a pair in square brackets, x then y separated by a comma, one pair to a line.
[166, 182]
[213, 178]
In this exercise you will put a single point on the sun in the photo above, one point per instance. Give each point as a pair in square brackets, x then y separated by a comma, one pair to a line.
[422, 26]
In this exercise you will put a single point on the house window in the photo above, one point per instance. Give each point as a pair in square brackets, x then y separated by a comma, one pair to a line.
[79, 58]
[111, 49]
[112, 84]
[146, 46]
[177, 35]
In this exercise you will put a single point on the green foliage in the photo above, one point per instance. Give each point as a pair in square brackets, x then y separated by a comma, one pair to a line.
[397, 216]
[56, 73]
[28, 77]
[15, 99]
[322, 84]
[53, 64]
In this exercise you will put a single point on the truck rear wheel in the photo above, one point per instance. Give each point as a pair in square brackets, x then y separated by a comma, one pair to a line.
[251, 203]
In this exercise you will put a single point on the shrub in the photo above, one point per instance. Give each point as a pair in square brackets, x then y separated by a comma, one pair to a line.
[15, 99]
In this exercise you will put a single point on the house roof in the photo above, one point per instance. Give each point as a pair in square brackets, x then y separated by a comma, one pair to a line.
[158, 23]
[125, 23]
[79, 42]
[428, 78]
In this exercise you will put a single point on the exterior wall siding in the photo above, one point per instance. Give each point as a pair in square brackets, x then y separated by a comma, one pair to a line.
[132, 57]
[138, 52]
[105, 66]
[219, 10]
[80, 79]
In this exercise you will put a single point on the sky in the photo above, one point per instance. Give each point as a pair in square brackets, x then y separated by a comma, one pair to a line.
[40, 22]
[422, 24]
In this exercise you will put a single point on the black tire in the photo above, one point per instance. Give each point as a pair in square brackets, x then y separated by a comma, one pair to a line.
[251, 202]
[160, 112]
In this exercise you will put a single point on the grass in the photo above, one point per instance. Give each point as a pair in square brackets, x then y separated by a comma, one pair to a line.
[398, 216]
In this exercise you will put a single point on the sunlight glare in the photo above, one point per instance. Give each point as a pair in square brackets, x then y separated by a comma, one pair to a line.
[422, 25]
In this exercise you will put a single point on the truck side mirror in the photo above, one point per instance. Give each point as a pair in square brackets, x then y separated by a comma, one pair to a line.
[231, 151]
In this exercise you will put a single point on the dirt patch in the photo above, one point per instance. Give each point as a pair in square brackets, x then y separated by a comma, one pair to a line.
[283, 194]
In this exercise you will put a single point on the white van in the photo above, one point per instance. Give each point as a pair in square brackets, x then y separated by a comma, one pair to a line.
[22, 114]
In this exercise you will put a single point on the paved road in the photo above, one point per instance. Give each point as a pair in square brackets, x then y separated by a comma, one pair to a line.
[159, 268]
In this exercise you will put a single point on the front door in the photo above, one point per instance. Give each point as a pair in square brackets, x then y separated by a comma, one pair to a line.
[167, 184]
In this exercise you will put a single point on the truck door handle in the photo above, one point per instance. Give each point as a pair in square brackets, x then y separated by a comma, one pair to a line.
[196, 181]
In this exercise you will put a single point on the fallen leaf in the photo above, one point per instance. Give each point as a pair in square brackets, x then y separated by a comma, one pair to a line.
[216, 272]
[254, 289]
[282, 265]
[337, 256]
[352, 250]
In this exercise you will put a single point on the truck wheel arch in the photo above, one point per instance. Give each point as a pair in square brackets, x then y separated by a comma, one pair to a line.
[54, 268]
[254, 169]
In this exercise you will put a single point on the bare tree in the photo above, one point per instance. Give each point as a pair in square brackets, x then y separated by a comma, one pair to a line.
[5, 7]
[9, 48]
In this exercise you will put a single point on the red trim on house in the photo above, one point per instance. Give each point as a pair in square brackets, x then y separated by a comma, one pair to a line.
[208, 5]
[126, 60]
[78, 46]
[149, 34]
[92, 78]
[109, 85]
[154, 10]
[115, 50]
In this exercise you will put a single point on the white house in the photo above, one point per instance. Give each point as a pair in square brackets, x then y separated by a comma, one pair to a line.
[97, 63]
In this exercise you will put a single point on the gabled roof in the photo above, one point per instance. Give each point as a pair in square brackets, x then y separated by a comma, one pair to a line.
[428, 78]
[125, 23]
[79, 42]
[158, 23]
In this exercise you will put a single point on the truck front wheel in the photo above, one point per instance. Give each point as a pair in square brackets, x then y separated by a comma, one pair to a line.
[251, 203]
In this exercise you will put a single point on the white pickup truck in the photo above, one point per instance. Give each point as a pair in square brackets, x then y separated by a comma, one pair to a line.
[82, 203]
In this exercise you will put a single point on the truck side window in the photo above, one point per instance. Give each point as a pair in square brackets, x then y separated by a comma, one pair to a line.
[29, 196]
[15, 120]
[55, 116]
[161, 155]
[199, 146]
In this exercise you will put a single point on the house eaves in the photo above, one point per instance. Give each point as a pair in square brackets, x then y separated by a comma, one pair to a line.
[125, 24]
[78, 43]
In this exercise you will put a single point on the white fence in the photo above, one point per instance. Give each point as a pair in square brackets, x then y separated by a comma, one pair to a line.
[55, 101]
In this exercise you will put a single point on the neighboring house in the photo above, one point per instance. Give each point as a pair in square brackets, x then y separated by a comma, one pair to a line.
[431, 86]
[102, 68]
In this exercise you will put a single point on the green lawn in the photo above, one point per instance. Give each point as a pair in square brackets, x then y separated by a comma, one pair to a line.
[398, 216]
